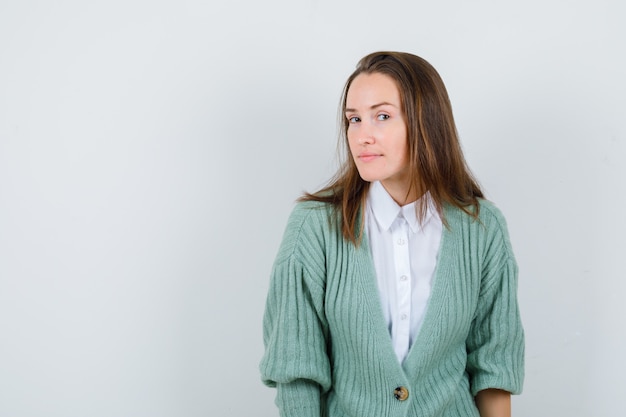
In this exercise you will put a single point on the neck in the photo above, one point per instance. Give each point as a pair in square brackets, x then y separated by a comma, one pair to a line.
[403, 194]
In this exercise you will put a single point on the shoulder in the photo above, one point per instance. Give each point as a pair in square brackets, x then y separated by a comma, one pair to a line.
[309, 217]
[489, 229]
[491, 216]
[310, 222]
[309, 211]
[496, 230]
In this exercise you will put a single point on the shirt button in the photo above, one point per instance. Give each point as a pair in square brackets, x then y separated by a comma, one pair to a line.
[401, 241]
[401, 393]
[404, 317]
[403, 278]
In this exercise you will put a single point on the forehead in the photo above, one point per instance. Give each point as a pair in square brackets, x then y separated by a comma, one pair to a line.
[370, 89]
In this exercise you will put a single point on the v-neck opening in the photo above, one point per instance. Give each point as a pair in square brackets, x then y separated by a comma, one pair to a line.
[372, 293]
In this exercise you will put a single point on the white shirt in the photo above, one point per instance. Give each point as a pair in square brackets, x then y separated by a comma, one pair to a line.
[405, 256]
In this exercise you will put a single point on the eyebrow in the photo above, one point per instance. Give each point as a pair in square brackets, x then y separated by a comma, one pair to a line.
[384, 103]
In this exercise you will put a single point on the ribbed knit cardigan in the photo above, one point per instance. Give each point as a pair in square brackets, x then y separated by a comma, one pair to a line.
[328, 350]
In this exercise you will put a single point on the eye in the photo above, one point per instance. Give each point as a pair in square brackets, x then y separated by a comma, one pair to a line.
[354, 119]
[381, 117]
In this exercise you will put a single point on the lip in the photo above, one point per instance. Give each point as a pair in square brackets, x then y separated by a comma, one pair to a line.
[368, 156]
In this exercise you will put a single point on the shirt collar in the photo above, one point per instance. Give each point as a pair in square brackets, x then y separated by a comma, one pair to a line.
[386, 210]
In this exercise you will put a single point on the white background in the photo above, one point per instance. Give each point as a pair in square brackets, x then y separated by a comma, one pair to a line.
[151, 151]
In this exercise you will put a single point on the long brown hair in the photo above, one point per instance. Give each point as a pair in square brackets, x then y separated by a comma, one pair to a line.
[435, 156]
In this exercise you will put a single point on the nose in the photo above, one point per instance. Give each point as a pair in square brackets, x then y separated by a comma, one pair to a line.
[365, 140]
[366, 134]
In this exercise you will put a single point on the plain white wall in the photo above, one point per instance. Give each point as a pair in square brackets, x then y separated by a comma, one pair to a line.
[150, 152]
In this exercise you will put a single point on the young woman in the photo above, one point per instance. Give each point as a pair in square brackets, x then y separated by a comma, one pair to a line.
[394, 289]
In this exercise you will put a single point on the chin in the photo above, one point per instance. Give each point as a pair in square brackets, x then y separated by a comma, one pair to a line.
[368, 178]
[372, 173]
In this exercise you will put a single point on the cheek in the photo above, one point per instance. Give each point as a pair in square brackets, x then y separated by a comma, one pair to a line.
[405, 149]
[352, 143]
[402, 145]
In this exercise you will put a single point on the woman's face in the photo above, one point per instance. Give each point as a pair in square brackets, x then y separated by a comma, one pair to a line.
[377, 132]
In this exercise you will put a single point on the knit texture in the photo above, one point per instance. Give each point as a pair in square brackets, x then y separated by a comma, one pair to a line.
[328, 350]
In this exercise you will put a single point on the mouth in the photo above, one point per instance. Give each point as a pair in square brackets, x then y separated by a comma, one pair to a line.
[368, 157]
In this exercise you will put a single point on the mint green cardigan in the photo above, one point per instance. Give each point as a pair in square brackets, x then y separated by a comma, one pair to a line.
[328, 350]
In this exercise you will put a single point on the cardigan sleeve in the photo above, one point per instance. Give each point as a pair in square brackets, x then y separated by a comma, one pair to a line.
[495, 344]
[295, 331]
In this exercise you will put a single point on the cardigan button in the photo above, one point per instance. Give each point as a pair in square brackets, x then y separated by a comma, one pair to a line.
[401, 393]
